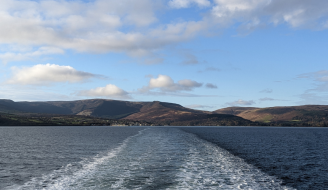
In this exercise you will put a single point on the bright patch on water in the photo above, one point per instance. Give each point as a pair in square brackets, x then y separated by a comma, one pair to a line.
[159, 158]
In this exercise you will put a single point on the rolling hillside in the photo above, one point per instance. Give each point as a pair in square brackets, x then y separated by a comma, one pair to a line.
[163, 113]
[102, 108]
[308, 115]
[159, 113]
[95, 107]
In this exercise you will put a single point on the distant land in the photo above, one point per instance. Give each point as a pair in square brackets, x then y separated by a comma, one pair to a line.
[126, 113]
[308, 115]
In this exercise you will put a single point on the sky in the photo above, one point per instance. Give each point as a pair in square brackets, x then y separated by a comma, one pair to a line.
[202, 54]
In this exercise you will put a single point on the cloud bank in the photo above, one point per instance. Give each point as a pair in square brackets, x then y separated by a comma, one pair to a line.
[47, 74]
[133, 27]
[98, 26]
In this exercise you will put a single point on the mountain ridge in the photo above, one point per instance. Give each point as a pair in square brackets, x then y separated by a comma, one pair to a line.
[156, 112]
[170, 113]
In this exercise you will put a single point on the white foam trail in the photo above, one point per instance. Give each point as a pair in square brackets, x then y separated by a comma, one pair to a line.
[67, 177]
[211, 167]
[159, 158]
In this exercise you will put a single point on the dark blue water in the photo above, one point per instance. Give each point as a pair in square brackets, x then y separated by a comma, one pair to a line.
[30, 152]
[163, 158]
[298, 156]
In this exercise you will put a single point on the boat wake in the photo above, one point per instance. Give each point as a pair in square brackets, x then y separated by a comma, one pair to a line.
[159, 158]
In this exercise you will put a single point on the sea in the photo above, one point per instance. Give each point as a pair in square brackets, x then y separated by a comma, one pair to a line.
[102, 157]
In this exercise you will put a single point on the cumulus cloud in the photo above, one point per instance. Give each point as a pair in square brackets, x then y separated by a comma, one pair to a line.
[47, 74]
[187, 3]
[241, 102]
[109, 91]
[165, 83]
[210, 85]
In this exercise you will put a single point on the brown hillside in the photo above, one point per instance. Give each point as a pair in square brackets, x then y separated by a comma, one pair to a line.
[306, 113]
[112, 109]
[160, 111]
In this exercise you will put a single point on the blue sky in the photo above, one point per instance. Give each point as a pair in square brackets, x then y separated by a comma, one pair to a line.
[201, 54]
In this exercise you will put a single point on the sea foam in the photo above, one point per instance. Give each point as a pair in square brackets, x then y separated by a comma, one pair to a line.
[159, 158]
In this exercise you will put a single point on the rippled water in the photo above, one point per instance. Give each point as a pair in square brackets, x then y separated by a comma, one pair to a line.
[298, 156]
[127, 158]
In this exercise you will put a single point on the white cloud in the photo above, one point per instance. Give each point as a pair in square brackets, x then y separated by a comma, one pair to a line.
[165, 83]
[187, 3]
[98, 26]
[47, 74]
[241, 102]
[132, 27]
[109, 91]
[162, 81]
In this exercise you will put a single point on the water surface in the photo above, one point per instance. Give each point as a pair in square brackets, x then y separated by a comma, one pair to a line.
[162, 158]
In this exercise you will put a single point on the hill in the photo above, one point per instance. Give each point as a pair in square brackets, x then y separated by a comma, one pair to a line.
[307, 115]
[157, 113]
[163, 113]
[94, 107]
[63, 120]
[160, 111]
